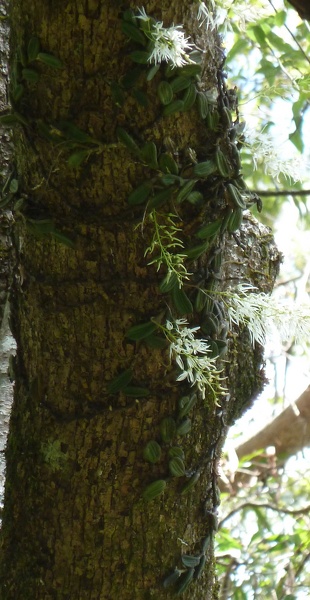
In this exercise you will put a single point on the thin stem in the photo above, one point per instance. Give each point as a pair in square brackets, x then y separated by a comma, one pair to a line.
[268, 193]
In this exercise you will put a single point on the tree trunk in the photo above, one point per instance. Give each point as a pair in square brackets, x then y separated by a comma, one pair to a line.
[287, 434]
[75, 523]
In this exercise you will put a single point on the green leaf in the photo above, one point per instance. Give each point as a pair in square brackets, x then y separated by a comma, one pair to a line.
[194, 197]
[40, 227]
[173, 107]
[169, 282]
[120, 381]
[12, 119]
[184, 581]
[72, 132]
[181, 301]
[76, 159]
[159, 199]
[152, 72]
[154, 490]
[172, 578]
[165, 92]
[170, 179]
[186, 190]
[127, 140]
[33, 48]
[297, 140]
[140, 194]
[190, 70]
[167, 164]
[176, 467]
[259, 35]
[140, 332]
[186, 404]
[62, 239]
[196, 251]
[203, 104]
[209, 230]
[239, 48]
[134, 33]
[152, 452]
[190, 561]
[134, 391]
[180, 83]
[17, 92]
[189, 97]
[167, 429]
[149, 155]
[13, 186]
[205, 169]
[154, 341]
[190, 483]
[184, 427]
[129, 16]
[30, 75]
[176, 452]
[139, 56]
[201, 566]
[50, 60]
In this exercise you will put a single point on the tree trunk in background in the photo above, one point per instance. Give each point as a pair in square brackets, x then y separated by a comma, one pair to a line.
[75, 526]
[287, 434]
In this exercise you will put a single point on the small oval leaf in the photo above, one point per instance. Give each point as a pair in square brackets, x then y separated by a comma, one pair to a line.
[176, 452]
[190, 561]
[165, 92]
[50, 60]
[177, 467]
[154, 490]
[33, 48]
[184, 427]
[168, 429]
[152, 452]
[205, 169]
[173, 107]
[120, 381]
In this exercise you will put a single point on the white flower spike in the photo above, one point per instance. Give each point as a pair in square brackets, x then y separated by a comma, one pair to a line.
[169, 44]
[191, 354]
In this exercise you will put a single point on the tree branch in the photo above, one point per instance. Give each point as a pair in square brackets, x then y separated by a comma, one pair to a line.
[268, 193]
[286, 511]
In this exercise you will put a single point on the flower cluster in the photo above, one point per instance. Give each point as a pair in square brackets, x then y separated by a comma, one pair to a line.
[169, 44]
[265, 153]
[192, 356]
[166, 243]
[241, 12]
[267, 316]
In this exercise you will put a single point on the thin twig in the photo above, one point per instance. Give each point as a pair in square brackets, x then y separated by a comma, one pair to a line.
[286, 511]
[266, 193]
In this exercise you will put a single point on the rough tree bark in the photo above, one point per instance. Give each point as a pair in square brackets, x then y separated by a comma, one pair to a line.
[75, 525]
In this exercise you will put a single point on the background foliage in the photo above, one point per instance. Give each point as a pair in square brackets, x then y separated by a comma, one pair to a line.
[262, 549]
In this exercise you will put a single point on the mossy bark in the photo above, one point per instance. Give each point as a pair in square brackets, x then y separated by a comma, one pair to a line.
[75, 524]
